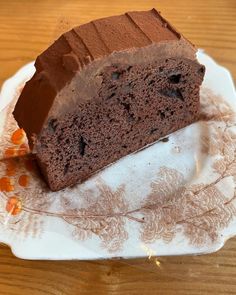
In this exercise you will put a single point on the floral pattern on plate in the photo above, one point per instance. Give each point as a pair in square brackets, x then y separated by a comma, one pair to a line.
[177, 196]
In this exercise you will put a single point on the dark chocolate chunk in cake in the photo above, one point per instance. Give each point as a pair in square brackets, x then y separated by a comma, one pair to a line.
[106, 89]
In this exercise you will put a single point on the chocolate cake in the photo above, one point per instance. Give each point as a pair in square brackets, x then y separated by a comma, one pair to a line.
[106, 89]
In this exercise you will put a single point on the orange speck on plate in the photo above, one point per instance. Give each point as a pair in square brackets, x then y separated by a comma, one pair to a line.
[14, 205]
[23, 180]
[18, 136]
[10, 168]
[6, 184]
[23, 150]
[10, 152]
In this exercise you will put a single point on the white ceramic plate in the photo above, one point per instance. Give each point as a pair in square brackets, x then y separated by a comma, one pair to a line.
[174, 197]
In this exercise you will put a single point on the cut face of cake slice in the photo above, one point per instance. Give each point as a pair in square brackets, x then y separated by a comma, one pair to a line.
[106, 89]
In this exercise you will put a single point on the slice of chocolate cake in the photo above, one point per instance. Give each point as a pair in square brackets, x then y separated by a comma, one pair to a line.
[106, 89]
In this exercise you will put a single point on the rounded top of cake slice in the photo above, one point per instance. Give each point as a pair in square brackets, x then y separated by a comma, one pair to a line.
[67, 73]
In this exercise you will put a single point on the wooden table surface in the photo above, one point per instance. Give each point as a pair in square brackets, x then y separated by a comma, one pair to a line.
[28, 27]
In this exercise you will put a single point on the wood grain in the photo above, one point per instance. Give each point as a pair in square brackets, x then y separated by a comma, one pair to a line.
[27, 28]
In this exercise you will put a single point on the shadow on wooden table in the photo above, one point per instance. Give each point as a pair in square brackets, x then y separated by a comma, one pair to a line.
[207, 274]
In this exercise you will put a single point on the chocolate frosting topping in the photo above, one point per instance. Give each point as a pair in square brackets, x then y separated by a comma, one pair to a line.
[76, 58]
